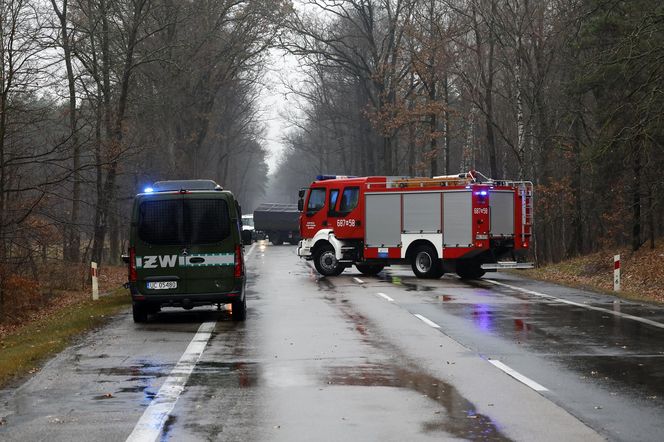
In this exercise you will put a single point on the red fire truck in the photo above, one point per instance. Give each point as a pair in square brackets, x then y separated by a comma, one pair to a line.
[463, 223]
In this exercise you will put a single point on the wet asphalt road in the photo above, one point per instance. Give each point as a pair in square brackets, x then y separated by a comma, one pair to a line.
[346, 358]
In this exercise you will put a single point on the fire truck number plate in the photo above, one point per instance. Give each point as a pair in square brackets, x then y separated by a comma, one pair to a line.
[345, 223]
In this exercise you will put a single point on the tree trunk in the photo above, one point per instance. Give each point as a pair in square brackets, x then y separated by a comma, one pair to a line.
[636, 201]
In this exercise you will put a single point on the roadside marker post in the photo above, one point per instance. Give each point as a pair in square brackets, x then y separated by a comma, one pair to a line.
[616, 273]
[95, 281]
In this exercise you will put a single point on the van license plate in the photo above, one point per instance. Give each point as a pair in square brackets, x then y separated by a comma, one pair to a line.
[163, 285]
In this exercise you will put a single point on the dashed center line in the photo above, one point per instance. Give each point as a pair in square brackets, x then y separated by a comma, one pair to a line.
[518, 376]
[427, 321]
[578, 304]
[383, 295]
[358, 280]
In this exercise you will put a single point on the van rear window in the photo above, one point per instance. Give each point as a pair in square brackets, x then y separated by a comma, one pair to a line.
[188, 221]
[206, 221]
[160, 222]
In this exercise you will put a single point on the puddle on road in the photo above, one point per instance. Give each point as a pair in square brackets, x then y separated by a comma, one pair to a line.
[134, 372]
[407, 284]
[461, 418]
[225, 374]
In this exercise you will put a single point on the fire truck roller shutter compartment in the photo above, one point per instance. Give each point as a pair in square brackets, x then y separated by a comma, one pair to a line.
[457, 218]
[501, 210]
[383, 220]
[421, 212]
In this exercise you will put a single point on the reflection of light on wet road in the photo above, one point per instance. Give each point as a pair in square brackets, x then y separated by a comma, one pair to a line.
[482, 317]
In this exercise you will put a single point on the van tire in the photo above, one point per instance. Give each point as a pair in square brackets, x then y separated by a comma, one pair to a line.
[326, 262]
[369, 269]
[239, 309]
[276, 239]
[139, 312]
[425, 262]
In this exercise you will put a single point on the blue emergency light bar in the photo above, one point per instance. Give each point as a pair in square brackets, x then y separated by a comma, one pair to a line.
[332, 177]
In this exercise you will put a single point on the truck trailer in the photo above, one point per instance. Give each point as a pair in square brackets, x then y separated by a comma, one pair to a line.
[463, 223]
[280, 222]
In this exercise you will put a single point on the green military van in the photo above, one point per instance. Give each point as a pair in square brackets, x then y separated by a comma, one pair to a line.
[185, 249]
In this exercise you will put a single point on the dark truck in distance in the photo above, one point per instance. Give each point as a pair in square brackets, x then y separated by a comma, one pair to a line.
[280, 222]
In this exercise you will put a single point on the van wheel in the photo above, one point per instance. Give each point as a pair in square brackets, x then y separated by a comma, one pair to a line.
[277, 240]
[470, 270]
[369, 269]
[425, 263]
[139, 312]
[326, 262]
[239, 310]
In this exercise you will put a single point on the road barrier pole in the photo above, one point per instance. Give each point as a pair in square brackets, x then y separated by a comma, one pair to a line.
[616, 273]
[95, 281]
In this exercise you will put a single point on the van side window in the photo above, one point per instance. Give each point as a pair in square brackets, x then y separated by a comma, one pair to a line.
[160, 222]
[316, 200]
[349, 199]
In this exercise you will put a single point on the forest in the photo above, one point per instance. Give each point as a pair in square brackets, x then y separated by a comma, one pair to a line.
[99, 98]
[565, 93]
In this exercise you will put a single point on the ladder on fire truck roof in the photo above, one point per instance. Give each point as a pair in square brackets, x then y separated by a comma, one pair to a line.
[525, 189]
[460, 179]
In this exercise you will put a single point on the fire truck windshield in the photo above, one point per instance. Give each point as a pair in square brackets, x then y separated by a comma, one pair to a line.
[316, 200]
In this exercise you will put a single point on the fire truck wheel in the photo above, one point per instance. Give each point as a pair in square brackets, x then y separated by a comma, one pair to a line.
[425, 263]
[471, 270]
[369, 269]
[326, 262]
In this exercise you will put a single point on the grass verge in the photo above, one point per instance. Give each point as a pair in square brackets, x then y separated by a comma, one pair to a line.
[642, 271]
[25, 348]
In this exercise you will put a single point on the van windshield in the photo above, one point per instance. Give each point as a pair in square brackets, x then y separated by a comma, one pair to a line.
[187, 222]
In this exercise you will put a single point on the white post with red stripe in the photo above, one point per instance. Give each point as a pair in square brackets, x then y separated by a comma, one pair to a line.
[95, 281]
[616, 273]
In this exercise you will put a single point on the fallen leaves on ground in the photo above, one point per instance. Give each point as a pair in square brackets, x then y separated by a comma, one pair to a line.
[642, 272]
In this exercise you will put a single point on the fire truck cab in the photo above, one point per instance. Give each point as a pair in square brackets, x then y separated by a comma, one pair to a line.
[459, 223]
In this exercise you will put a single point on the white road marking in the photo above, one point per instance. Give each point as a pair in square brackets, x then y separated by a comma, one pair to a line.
[251, 249]
[358, 280]
[151, 424]
[518, 376]
[426, 321]
[383, 295]
[578, 304]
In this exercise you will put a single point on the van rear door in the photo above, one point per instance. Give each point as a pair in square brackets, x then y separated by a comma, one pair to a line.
[209, 230]
[160, 245]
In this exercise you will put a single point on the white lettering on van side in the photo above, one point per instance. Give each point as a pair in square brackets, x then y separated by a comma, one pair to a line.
[168, 260]
[150, 262]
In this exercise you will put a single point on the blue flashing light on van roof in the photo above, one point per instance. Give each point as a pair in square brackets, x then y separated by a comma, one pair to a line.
[148, 190]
